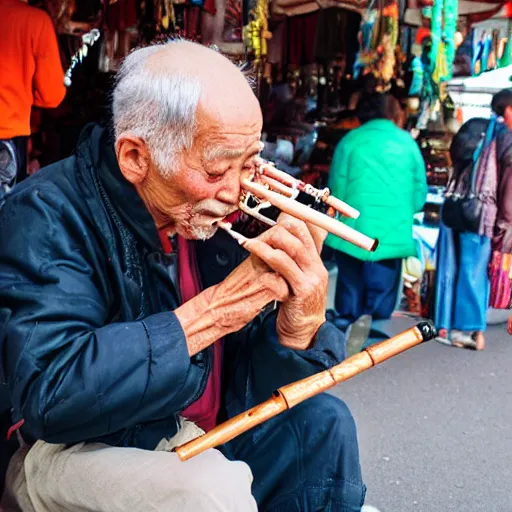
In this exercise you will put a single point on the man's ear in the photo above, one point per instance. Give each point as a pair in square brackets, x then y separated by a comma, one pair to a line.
[133, 158]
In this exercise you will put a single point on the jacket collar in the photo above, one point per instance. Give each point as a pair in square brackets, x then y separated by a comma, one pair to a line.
[96, 147]
[381, 124]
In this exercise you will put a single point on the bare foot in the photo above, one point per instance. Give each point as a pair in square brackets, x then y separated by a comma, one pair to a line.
[443, 333]
[479, 340]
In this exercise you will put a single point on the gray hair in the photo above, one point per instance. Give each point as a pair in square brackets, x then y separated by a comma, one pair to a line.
[157, 106]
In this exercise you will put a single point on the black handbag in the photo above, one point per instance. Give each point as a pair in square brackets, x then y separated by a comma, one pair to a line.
[462, 208]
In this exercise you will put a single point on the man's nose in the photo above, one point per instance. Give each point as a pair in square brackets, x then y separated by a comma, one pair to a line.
[230, 191]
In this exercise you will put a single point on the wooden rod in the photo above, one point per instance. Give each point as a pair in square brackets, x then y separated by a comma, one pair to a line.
[292, 394]
[233, 427]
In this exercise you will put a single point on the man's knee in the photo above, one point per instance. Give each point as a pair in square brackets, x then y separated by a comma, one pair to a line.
[328, 412]
[212, 482]
[330, 448]
[329, 431]
[100, 478]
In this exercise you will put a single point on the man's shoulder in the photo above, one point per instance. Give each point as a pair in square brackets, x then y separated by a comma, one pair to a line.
[50, 192]
[375, 131]
[351, 138]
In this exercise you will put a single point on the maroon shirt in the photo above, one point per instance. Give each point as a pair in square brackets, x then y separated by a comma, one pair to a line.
[205, 409]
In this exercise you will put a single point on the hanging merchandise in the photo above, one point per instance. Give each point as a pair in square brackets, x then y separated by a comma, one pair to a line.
[87, 40]
[483, 54]
[506, 57]
[378, 39]
[256, 33]
[416, 87]
[492, 61]
[444, 26]
[437, 58]
[168, 15]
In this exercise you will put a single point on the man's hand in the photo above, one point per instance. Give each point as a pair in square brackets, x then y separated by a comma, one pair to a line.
[292, 249]
[230, 305]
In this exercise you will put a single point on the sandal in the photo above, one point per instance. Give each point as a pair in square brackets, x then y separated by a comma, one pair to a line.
[462, 340]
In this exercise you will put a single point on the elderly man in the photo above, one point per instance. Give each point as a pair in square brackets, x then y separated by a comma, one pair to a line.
[128, 323]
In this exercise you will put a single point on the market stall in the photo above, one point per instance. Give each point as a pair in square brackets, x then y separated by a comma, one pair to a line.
[472, 96]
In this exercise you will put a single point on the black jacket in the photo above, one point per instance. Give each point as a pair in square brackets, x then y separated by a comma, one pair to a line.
[90, 348]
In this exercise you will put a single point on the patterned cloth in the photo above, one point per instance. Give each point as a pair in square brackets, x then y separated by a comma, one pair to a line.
[501, 280]
[486, 180]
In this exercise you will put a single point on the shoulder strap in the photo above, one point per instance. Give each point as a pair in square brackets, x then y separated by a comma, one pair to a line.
[484, 143]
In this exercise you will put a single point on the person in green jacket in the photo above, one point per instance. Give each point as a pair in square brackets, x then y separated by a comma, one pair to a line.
[379, 170]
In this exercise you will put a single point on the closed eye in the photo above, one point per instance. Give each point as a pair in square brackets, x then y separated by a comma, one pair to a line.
[213, 178]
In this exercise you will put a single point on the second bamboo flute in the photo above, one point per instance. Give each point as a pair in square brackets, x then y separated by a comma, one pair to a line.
[292, 394]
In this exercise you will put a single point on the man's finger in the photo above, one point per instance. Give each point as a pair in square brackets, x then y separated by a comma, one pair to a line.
[319, 235]
[281, 238]
[310, 235]
[277, 259]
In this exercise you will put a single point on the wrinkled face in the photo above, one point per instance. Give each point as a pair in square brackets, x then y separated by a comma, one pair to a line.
[204, 184]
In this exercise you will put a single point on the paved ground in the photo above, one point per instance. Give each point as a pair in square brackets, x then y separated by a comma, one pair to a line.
[435, 428]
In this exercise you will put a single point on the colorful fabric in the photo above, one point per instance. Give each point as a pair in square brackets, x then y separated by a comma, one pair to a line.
[487, 187]
[442, 52]
[500, 271]
[422, 33]
[441, 65]
[417, 77]
[485, 179]
[502, 239]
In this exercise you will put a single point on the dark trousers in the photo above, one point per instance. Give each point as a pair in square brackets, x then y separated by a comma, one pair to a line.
[304, 460]
[366, 287]
[21, 145]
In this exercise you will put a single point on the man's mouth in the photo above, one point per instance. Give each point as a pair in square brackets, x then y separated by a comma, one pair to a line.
[214, 217]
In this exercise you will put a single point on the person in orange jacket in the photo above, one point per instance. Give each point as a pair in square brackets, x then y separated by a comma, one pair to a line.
[31, 75]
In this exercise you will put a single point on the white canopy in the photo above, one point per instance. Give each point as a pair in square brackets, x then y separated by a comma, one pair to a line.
[486, 83]
[473, 95]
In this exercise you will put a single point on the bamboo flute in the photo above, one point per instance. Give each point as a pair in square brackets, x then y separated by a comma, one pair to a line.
[268, 170]
[306, 214]
[292, 394]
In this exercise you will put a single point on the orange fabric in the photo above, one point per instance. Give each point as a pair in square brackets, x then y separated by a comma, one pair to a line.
[31, 71]
[421, 34]
[391, 11]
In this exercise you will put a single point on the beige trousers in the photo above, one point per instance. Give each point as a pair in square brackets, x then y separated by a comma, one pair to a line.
[100, 478]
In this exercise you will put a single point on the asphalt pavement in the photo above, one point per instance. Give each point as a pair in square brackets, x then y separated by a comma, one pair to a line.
[435, 428]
